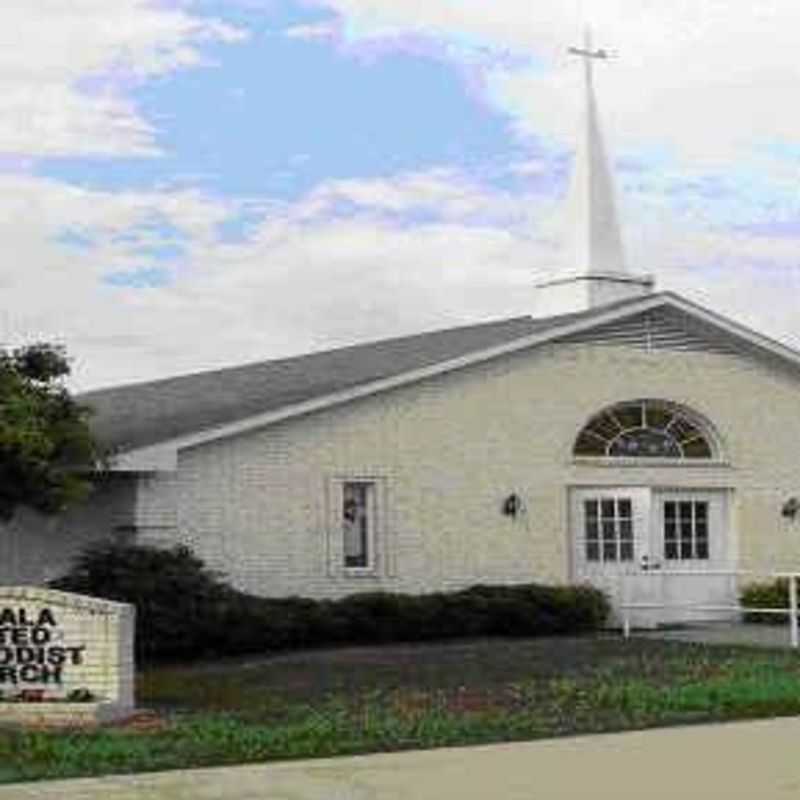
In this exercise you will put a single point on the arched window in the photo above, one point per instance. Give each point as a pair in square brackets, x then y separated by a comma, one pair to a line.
[646, 429]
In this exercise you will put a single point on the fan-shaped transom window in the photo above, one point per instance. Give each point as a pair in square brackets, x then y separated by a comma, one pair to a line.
[645, 429]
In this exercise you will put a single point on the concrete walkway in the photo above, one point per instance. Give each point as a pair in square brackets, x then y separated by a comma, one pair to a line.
[773, 636]
[751, 760]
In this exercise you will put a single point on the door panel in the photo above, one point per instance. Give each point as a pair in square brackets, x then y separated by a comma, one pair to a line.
[610, 537]
[654, 547]
[690, 533]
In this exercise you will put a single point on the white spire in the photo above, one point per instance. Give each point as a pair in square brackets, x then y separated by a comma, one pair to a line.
[596, 241]
[596, 273]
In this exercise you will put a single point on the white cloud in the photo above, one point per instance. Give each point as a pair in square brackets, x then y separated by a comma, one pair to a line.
[65, 69]
[706, 78]
[362, 259]
[531, 167]
[321, 30]
[445, 194]
[308, 278]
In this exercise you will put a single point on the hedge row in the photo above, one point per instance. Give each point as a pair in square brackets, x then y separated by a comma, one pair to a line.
[185, 611]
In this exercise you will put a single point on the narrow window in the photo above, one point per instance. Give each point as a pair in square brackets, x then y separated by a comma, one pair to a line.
[358, 515]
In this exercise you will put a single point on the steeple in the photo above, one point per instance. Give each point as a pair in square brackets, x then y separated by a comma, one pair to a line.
[597, 272]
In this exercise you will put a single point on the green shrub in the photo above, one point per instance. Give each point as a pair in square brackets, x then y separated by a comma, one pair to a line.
[376, 617]
[440, 615]
[774, 594]
[179, 603]
[185, 611]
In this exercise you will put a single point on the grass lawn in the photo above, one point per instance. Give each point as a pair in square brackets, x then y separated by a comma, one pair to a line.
[366, 699]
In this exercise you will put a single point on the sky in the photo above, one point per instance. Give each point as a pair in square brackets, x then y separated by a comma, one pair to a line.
[192, 184]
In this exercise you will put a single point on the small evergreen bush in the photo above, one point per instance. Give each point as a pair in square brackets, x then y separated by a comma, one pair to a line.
[773, 594]
[185, 611]
[180, 605]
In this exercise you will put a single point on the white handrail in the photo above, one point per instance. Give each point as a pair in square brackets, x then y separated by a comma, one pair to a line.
[791, 610]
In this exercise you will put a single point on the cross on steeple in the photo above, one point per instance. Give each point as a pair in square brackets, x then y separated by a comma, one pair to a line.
[588, 51]
[597, 272]
[588, 54]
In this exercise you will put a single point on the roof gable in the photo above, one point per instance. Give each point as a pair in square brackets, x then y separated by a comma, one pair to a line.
[663, 328]
[149, 422]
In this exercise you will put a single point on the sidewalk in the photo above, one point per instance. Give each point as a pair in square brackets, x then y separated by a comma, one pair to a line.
[737, 633]
[752, 760]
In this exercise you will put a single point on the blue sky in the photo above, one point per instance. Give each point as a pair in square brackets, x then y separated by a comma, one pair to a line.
[204, 183]
[276, 115]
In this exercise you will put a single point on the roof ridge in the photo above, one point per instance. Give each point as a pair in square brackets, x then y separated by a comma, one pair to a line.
[536, 323]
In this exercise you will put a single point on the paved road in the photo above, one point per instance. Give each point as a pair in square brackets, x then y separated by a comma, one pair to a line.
[737, 761]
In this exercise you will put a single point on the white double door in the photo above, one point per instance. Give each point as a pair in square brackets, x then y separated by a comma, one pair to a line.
[668, 549]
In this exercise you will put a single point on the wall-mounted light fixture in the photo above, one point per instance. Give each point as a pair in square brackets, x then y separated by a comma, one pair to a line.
[512, 506]
[791, 508]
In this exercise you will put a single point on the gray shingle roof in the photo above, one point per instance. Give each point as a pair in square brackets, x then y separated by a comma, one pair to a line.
[136, 415]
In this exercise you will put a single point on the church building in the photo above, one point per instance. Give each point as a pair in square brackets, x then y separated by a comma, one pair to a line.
[619, 430]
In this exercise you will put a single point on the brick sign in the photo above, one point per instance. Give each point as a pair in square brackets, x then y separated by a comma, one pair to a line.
[58, 642]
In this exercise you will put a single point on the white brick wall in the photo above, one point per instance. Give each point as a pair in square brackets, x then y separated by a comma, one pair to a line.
[452, 448]
[447, 451]
[36, 547]
[156, 513]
